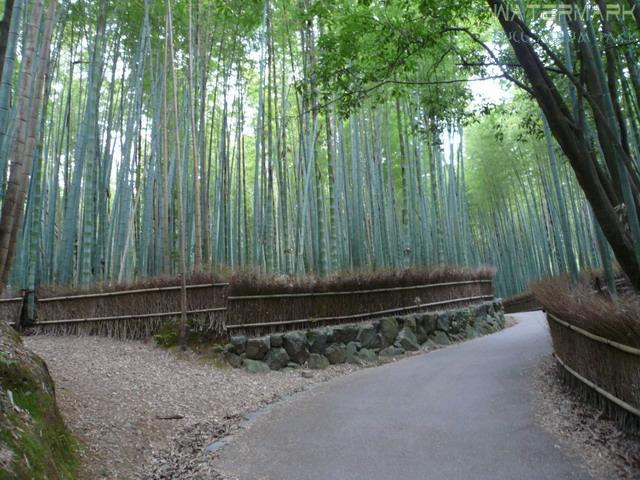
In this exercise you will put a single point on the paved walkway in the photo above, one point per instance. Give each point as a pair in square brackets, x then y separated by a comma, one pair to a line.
[460, 413]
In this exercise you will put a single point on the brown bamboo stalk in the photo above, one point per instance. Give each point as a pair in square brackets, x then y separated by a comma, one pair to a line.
[181, 253]
[13, 204]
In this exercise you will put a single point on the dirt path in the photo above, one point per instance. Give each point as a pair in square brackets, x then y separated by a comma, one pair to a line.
[111, 393]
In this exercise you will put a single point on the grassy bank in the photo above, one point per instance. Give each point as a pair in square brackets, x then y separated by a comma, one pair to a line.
[34, 442]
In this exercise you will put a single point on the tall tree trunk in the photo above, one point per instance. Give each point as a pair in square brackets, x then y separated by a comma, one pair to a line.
[571, 139]
[196, 161]
[25, 141]
[181, 252]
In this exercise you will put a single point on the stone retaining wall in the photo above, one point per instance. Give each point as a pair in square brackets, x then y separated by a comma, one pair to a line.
[365, 342]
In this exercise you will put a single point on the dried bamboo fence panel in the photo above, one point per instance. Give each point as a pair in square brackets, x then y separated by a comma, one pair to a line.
[133, 314]
[10, 309]
[286, 311]
[131, 302]
[525, 302]
[606, 372]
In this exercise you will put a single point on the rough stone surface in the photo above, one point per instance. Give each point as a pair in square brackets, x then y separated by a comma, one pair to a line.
[391, 351]
[407, 340]
[482, 310]
[317, 362]
[344, 334]
[233, 359]
[277, 358]
[440, 338]
[457, 337]
[408, 322]
[238, 343]
[276, 340]
[255, 366]
[421, 334]
[257, 348]
[483, 326]
[458, 322]
[368, 336]
[366, 356]
[389, 329]
[443, 322]
[318, 340]
[352, 350]
[429, 322]
[336, 353]
[382, 342]
[359, 343]
[295, 343]
[471, 332]
[431, 345]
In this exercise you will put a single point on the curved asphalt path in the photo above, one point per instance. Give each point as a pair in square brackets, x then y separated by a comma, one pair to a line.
[459, 413]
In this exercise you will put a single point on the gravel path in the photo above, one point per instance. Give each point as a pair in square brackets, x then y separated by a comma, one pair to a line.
[112, 392]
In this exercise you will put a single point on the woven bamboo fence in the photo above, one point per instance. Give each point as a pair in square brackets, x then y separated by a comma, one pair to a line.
[606, 372]
[525, 302]
[10, 309]
[141, 312]
[259, 314]
[136, 313]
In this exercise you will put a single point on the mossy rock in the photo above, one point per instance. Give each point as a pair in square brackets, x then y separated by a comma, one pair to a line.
[440, 338]
[34, 442]
[389, 329]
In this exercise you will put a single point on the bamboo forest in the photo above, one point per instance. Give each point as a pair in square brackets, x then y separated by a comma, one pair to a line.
[315, 137]
[319, 239]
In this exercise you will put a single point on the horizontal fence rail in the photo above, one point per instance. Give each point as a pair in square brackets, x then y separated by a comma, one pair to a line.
[356, 292]
[259, 313]
[360, 316]
[138, 313]
[597, 338]
[132, 292]
[116, 293]
[131, 317]
[133, 313]
[608, 369]
[612, 398]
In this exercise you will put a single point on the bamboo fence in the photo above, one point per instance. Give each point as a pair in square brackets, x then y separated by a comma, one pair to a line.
[136, 313]
[141, 312]
[264, 313]
[604, 371]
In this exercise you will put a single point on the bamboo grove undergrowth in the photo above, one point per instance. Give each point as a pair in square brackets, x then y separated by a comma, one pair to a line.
[202, 133]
